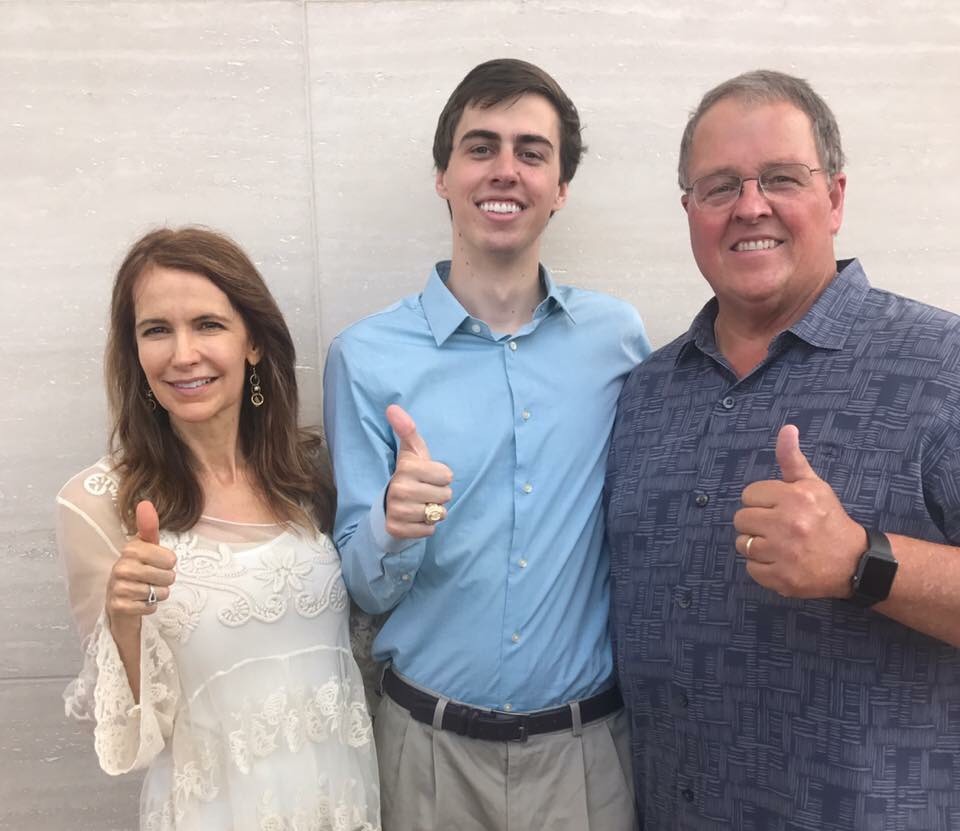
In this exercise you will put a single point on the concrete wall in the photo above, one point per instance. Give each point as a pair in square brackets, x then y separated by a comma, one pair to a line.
[304, 129]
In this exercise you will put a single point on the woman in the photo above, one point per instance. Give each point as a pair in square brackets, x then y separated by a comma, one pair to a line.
[200, 571]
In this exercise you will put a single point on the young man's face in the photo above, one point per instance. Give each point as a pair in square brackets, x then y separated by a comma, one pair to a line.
[765, 250]
[503, 179]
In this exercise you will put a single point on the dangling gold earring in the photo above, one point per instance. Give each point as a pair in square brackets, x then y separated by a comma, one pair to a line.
[151, 401]
[256, 396]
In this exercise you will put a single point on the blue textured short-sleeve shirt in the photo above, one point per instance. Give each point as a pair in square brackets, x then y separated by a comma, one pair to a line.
[754, 711]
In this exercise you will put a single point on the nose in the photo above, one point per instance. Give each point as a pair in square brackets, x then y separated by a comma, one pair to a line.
[184, 349]
[504, 168]
[752, 203]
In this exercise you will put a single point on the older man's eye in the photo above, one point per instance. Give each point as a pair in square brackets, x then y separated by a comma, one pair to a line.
[721, 187]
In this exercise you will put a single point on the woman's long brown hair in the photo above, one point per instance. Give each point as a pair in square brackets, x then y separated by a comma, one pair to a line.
[289, 463]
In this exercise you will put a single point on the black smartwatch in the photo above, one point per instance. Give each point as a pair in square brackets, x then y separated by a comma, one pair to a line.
[875, 572]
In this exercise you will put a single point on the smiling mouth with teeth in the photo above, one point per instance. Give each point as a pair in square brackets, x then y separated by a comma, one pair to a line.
[501, 207]
[190, 385]
[757, 245]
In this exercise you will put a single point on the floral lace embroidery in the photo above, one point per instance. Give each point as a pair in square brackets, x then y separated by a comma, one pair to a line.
[292, 715]
[179, 616]
[327, 813]
[199, 562]
[282, 571]
[161, 819]
[124, 731]
[283, 574]
[99, 484]
[78, 697]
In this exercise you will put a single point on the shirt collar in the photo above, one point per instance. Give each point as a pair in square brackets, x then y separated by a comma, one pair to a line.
[445, 314]
[826, 324]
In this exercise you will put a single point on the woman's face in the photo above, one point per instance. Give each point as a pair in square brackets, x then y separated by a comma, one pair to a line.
[193, 347]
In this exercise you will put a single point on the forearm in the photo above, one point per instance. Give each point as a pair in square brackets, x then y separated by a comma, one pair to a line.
[127, 638]
[926, 591]
[377, 569]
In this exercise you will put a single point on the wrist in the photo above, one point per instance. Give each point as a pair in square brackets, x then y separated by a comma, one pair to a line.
[124, 627]
[876, 569]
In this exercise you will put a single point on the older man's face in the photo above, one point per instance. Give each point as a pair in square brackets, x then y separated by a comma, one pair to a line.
[760, 254]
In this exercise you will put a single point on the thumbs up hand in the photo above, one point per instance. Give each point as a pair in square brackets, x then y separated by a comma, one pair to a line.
[142, 576]
[797, 538]
[419, 487]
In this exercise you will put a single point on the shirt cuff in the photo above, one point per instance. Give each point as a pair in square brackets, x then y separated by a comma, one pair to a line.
[387, 543]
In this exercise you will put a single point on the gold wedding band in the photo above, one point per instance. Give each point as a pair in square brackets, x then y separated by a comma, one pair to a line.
[750, 540]
[433, 512]
[151, 596]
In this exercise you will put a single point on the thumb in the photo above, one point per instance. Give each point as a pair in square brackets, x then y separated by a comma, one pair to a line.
[410, 440]
[793, 464]
[148, 523]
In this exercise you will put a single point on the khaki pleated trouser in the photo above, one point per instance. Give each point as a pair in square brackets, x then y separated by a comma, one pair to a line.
[437, 780]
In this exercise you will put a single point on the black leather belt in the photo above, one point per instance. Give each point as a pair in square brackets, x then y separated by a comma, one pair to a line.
[493, 725]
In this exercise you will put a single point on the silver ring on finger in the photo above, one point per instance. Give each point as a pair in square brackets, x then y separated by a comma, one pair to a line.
[151, 596]
[749, 542]
[433, 512]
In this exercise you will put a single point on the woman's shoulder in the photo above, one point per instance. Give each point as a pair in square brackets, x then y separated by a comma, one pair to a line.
[92, 484]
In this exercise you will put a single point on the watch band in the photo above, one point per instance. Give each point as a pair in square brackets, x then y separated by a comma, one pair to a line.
[875, 572]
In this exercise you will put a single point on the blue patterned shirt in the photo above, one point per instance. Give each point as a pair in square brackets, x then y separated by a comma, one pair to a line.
[506, 605]
[752, 711]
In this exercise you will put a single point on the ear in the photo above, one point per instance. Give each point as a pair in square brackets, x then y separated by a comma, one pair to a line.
[254, 355]
[838, 190]
[561, 199]
[685, 201]
[441, 185]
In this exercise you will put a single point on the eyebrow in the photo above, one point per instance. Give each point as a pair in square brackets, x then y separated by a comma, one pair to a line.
[154, 321]
[731, 171]
[522, 138]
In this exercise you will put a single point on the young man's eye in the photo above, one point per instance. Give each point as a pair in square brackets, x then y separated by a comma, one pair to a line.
[480, 150]
[531, 156]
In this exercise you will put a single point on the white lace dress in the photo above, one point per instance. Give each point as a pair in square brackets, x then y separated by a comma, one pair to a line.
[252, 712]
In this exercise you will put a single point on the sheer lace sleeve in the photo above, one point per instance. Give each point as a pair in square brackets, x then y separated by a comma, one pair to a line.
[90, 536]
[129, 735]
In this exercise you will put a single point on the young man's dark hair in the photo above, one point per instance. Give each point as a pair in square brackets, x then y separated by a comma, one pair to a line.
[506, 79]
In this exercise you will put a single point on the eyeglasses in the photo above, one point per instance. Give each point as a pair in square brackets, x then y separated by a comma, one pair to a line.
[780, 182]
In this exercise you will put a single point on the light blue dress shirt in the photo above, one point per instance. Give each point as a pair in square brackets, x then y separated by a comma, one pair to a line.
[506, 605]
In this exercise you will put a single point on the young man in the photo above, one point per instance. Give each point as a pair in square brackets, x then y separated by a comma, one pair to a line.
[787, 606]
[469, 426]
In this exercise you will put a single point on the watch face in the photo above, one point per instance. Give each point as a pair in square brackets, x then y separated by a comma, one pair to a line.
[876, 577]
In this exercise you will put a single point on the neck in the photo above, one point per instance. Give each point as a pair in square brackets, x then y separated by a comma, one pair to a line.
[745, 330]
[214, 446]
[503, 293]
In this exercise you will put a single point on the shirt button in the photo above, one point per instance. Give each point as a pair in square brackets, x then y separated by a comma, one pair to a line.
[515, 637]
[513, 345]
[508, 707]
[687, 794]
[525, 415]
[682, 597]
[475, 328]
[701, 499]
[728, 403]
[405, 578]
[528, 488]
[522, 563]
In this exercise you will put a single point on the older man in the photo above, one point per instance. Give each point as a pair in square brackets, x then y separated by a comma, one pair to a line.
[783, 505]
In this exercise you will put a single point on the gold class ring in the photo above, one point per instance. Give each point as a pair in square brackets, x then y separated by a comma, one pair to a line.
[433, 512]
